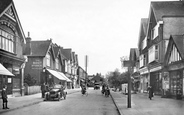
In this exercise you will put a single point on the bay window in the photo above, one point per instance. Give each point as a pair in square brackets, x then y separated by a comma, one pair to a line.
[7, 41]
[153, 53]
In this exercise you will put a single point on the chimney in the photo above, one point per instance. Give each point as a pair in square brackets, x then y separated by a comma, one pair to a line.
[28, 45]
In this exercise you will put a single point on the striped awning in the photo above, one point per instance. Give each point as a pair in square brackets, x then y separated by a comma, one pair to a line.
[4, 71]
[67, 79]
[56, 74]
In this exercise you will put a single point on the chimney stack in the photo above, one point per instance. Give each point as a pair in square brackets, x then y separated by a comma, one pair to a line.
[28, 45]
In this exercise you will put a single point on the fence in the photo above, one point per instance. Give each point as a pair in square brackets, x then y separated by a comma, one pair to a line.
[32, 90]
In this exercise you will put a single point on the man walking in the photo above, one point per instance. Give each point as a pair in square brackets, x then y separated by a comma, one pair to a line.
[4, 97]
[150, 89]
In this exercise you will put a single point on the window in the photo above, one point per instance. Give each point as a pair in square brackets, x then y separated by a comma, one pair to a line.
[48, 60]
[156, 52]
[153, 53]
[144, 44]
[155, 30]
[141, 60]
[175, 56]
[57, 63]
[6, 41]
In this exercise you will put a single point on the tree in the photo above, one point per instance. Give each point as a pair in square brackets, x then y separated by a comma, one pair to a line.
[115, 79]
[29, 80]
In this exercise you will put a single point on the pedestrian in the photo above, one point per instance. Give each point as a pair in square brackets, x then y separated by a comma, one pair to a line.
[43, 89]
[4, 97]
[150, 90]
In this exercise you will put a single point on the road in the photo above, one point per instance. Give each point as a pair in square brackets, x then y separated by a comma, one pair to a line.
[75, 104]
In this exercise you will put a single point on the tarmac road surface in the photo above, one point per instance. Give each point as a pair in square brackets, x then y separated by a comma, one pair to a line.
[75, 104]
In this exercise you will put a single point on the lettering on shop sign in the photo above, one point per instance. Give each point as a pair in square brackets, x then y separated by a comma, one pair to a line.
[37, 64]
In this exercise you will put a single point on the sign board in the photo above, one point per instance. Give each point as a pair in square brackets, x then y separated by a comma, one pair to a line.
[127, 63]
[37, 64]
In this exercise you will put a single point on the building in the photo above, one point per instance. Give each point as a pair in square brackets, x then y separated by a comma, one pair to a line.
[173, 80]
[45, 62]
[12, 40]
[143, 55]
[81, 75]
[165, 19]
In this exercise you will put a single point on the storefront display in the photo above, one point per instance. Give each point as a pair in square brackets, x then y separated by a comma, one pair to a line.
[176, 79]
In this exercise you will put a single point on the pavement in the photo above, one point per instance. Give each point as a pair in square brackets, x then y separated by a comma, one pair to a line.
[142, 105]
[27, 100]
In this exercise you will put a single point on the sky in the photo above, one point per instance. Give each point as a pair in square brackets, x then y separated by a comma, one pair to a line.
[104, 30]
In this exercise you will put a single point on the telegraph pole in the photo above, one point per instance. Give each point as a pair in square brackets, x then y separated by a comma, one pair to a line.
[86, 64]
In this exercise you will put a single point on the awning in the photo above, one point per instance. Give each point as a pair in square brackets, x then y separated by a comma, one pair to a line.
[67, 79]
[56, 74]
[4, 71]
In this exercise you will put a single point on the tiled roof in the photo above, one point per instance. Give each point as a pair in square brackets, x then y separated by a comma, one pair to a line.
[4, 4]
[40, 48]
[73, 57]
[76, 58]
[67, 53]
[143, 30]
[56, 50]
[167, 8]
[179, 41]
[133, 54]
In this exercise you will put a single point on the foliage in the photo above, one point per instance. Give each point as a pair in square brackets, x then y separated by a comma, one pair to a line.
[115, 78]
[29, 80]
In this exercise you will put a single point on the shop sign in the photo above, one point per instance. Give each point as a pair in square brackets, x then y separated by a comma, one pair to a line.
[156, 69]
[143, 71]
[37, 64]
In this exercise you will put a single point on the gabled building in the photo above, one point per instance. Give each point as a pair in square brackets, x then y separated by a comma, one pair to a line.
[44, 62]
[68, 64]
[143, 55]
[173, 81]
[12, 40]
[165, 18]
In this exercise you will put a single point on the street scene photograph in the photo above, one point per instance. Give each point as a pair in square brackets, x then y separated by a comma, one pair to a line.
[91, 57]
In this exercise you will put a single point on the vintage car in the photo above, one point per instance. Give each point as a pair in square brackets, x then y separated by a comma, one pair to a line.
[55, 93]
[96, 86]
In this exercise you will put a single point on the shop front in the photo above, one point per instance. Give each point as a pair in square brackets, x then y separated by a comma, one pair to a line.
[144, 80]
[156, 82]
[176, 83]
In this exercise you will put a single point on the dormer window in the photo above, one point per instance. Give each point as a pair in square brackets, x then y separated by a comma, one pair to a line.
[57, 63]
[155, 30]
[48, 60]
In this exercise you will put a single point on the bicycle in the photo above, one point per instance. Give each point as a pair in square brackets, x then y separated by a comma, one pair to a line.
[84, 92]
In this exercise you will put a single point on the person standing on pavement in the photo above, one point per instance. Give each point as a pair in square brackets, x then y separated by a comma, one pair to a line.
[150, 91]
[4, 97]
[43, 89]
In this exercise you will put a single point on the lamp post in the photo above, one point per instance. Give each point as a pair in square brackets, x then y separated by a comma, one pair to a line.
[44, 75]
